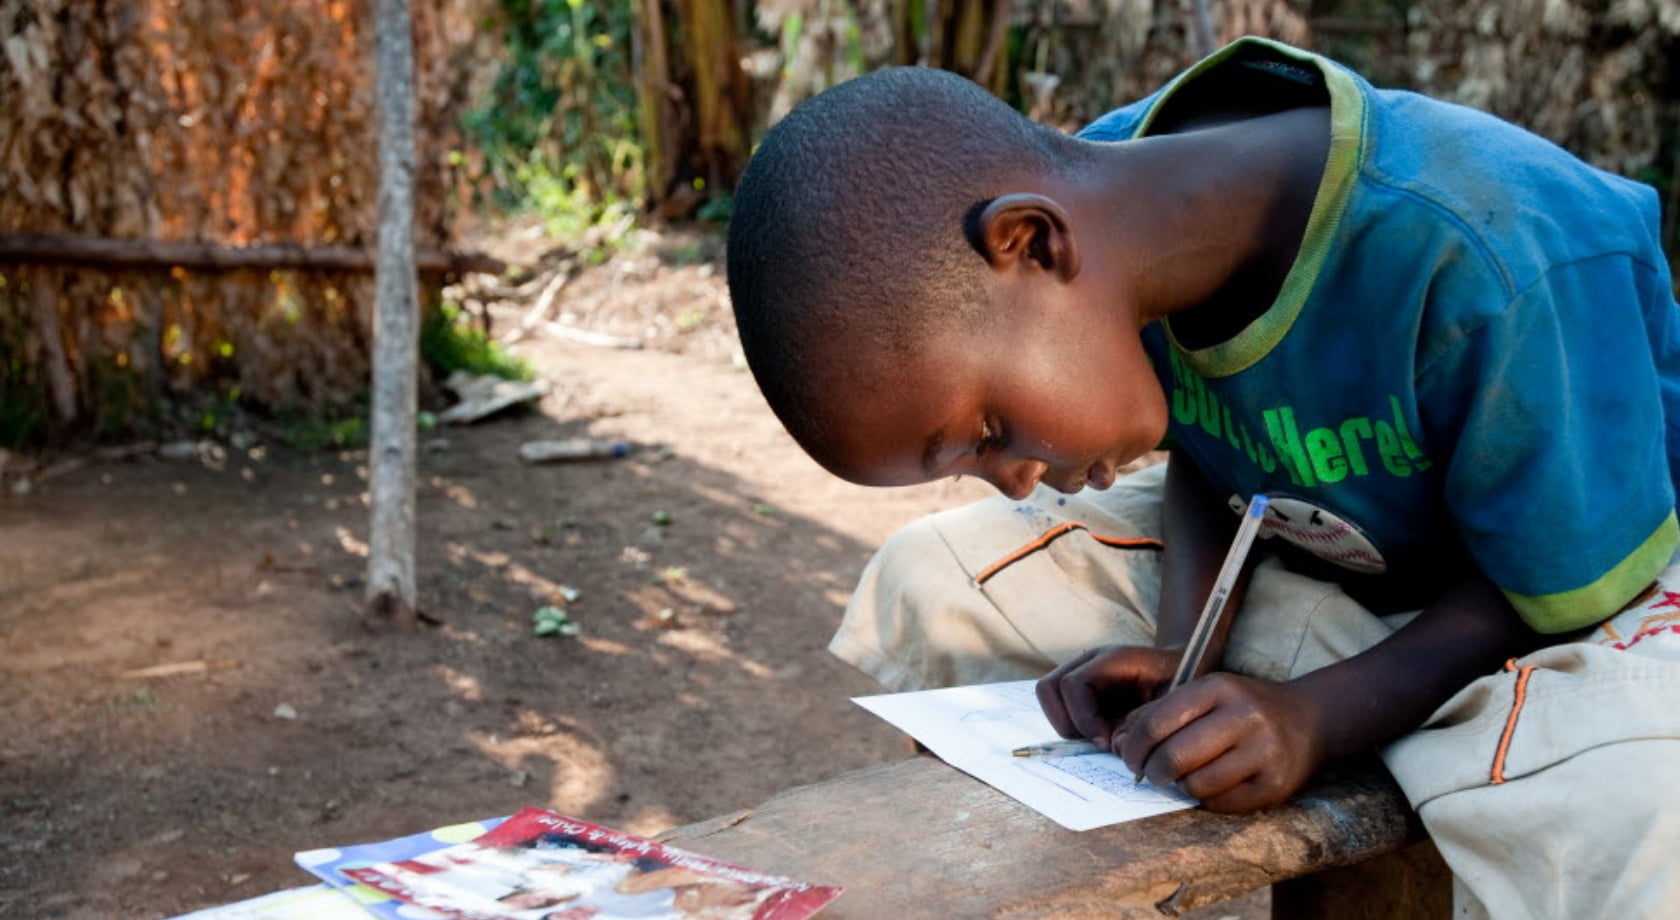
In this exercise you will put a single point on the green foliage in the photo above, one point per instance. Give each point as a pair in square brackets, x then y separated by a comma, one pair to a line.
[569, 210]
[313, 432]
[559, 130]
[23, 404]
[218, 413]
[450, 341]
[23, 393]
[552, 621]
[717, 209]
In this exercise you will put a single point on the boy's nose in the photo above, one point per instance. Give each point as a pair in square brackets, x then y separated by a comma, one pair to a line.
[1016, 478]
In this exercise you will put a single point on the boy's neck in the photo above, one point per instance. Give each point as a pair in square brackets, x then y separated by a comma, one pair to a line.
[1211, 216]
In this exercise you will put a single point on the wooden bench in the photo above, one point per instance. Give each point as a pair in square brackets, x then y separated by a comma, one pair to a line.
[920, 840]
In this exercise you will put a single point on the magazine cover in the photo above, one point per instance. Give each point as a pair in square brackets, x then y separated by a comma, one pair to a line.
[328, 863]
[540, 865]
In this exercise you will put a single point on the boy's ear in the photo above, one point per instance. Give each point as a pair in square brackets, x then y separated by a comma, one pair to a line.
[1021, 225]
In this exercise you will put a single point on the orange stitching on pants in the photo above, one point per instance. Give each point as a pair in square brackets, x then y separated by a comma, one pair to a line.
[1050, 535]
[1497, 775]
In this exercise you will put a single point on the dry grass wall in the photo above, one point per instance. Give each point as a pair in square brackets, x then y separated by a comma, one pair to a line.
[251, 125]
[196, 121]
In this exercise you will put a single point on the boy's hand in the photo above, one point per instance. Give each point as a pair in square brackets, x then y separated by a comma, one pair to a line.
[1236, 743]
[1091, 695]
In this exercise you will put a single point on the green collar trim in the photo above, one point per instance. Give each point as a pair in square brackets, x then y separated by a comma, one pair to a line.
[1347, 134]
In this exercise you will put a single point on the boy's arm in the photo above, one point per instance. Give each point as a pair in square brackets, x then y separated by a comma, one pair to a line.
[1240, 743]
[1196, 531]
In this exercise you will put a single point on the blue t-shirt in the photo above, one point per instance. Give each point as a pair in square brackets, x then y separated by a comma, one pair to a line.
[1473, 364]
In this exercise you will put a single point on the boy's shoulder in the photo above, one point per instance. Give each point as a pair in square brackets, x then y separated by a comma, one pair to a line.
[1457, 158]
[1470, 159]
[1477, 184]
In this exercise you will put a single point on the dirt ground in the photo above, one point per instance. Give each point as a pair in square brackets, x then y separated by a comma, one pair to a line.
[705, 572]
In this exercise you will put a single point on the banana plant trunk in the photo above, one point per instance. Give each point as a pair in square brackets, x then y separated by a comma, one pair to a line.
[694, 102]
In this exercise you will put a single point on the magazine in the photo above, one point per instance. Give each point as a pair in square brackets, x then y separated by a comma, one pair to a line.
[539, 865]
[328, 865]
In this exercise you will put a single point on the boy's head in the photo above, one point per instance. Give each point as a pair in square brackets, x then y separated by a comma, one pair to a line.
[872, 264]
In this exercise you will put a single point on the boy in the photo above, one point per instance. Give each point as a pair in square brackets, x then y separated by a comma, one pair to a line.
[1446, 348]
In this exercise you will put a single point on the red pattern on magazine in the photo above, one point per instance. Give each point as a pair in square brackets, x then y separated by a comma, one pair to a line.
[539, 865]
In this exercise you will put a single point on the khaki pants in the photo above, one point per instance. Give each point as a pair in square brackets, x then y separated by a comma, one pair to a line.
[1573, 815]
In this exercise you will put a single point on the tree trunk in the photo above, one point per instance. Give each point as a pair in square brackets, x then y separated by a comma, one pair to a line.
[695, 102]
[391, 591]
[719, 92]
[650, 56]
[969, 37]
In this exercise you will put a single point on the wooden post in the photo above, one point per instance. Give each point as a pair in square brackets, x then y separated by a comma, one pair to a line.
[391, 592]
[1201, 32]
[60, 384]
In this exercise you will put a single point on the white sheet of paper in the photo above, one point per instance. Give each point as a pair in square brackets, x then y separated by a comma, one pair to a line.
[976, 728]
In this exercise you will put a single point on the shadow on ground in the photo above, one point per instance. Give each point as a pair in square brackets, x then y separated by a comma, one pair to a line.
[704, 571]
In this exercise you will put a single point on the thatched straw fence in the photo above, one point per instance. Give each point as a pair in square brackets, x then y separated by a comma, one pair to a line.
[187, 200]
[1596, 76]
[187, 187]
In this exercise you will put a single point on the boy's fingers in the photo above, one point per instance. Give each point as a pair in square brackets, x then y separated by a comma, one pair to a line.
[1050, 700]
[1082, 692]
[1260, 789]
[1186, 751]
[1151, 725]
[1220, 774]
[1049, 691]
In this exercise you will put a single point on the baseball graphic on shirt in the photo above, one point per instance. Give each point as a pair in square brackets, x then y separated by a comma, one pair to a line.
[1319, 532]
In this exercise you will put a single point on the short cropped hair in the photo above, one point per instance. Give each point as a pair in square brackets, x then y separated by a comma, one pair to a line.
[850, 238]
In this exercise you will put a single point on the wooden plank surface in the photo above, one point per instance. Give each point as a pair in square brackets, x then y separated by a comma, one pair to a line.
[919, 839]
